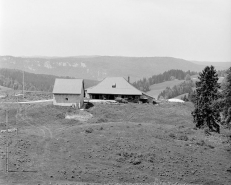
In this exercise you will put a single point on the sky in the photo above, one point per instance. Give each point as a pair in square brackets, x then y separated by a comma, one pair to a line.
[189, 29]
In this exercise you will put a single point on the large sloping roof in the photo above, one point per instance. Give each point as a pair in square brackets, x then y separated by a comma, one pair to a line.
[114, 85]
[68, 86]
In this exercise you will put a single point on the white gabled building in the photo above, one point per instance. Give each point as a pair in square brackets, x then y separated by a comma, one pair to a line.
[68, 92]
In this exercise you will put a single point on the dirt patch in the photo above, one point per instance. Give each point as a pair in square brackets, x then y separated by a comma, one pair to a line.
[80, 116]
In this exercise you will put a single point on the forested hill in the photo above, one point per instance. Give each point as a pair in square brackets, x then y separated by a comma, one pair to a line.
[172, 74]
[98, 67]
[32, 82]
[182, 88]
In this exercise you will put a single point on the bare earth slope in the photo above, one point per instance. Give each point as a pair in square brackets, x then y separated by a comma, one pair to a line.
[116, 144]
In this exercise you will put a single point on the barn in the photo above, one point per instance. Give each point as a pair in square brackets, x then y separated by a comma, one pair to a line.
[68, 92]
[112, 87]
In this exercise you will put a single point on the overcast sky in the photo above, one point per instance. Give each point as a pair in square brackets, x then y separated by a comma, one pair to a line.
[188, 29]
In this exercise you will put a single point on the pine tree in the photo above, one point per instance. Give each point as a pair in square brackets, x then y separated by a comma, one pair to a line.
[227, 93]
[188, 77]
[206, 92]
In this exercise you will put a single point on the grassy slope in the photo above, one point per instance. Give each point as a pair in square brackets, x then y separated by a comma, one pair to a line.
[2, 88]
[181, 96]
[90, 83]
[37, 80]
[121, 143]
[156, 89]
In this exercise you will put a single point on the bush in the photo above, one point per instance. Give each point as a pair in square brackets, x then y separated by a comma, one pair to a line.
[135, 161]
[172, 135]
[89, 130]
[206, 132]
[183, 138]
[228, 119]
[60, 116]
[101, 120]
[201, 143]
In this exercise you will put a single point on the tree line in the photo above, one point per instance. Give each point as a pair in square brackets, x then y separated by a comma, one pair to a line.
[182, 88]
[12, 78]
[145, 83]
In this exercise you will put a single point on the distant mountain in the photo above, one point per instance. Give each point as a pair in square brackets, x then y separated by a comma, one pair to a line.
[218, 65]
[98, 67]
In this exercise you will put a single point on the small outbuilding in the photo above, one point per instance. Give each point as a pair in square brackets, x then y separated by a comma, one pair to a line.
[146, 98]
[68, 92]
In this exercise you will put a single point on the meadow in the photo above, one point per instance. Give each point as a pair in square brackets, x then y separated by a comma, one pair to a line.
[122, 143]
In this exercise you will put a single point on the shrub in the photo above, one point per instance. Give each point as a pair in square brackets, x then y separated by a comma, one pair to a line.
[201, 143]
[228, 119]
[101, 120]
[89, 130]
[172, 135]
[183, 138]
[206, 132]
[60, 116]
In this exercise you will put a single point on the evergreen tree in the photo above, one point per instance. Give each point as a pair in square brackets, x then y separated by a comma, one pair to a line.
[188, 77]
[204, 113]
[227, 93]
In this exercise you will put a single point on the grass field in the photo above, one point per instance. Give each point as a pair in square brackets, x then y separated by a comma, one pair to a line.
[12, 96]
[2, 88]
[156, 89]
[124, 143]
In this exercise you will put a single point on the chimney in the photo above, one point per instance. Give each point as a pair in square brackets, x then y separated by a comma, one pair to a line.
[128, 79]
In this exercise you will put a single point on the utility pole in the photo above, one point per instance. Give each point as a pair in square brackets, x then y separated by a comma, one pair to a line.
[7, 142]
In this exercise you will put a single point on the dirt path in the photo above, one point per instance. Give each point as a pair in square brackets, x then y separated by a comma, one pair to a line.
[45, 131]
[29, 102]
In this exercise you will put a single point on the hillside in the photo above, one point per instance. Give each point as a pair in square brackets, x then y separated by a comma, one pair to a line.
[129, 143]
[181, 96]
[98, 67]
[145, 83]
[11, 78]
[156, 89]
[218, 65]
[2, 88]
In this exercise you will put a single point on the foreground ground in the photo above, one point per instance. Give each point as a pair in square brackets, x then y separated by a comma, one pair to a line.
[135, 143]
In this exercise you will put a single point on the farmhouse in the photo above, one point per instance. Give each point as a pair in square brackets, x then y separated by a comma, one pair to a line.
[68, 92]
[112, 87]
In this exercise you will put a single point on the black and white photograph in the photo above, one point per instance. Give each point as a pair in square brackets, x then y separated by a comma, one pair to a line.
[115, 92]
